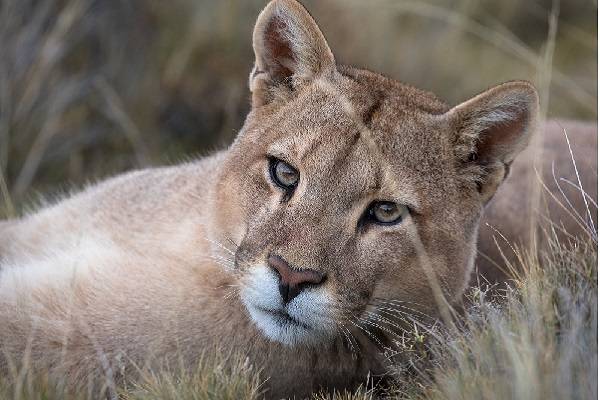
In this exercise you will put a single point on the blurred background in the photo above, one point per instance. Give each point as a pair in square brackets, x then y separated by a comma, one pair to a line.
[89, 88]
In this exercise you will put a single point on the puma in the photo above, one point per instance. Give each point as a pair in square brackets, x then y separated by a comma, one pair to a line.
[348, 201]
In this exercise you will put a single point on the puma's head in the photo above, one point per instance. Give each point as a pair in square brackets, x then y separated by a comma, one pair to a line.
[347, 191]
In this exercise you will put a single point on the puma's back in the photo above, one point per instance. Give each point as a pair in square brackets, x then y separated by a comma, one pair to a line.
[551, 192]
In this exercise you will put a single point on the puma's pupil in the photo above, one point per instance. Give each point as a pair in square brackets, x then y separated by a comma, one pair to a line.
[283, 174]
[386, 212]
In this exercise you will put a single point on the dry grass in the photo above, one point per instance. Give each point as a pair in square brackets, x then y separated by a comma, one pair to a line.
[90, 88]
[534, 339]
[230, 379]
[215, 377]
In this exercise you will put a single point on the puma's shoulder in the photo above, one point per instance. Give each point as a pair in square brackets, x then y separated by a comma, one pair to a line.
[136, 204]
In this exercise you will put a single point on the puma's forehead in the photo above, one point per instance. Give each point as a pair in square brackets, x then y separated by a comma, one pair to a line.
[362, 128]
[367, 95]
[398, 95]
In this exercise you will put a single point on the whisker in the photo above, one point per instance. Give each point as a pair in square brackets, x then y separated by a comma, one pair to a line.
[379, 318]
[231, 241]
[220, 245]
[400, 304]
[223, 259]
[365, 330]
[428, 328]
[388, 321]
[399, 301]
[346, 333]
[229, 267]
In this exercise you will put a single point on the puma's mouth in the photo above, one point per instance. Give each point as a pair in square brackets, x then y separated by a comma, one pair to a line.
[304, 320]
[280, 326]
[283, 317]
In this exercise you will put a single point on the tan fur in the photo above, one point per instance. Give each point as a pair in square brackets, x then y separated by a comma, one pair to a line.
[560, 209]
[166, 263]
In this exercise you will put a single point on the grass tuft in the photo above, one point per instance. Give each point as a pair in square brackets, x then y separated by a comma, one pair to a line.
[535, 338]
[215, 378]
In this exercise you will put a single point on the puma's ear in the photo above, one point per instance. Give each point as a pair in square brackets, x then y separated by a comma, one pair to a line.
[490, 130]
[289, 49]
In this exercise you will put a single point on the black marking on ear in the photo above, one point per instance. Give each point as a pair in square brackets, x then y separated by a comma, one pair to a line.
[372, 110]
[479, 186]
[506, 169]
[256, 72]
[345, 74]
[355, 138]
[364, 294]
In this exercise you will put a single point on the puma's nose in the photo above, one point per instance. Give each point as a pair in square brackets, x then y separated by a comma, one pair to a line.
[291, 281]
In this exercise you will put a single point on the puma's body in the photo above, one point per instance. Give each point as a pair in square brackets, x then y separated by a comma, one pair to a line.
[508, 218]
[168, 263]
[124, 269]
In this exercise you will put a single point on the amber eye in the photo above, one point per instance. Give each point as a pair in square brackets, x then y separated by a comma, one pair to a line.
[283, 174]
[386, 212]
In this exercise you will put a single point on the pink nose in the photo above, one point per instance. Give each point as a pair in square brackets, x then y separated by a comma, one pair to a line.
[292, 281]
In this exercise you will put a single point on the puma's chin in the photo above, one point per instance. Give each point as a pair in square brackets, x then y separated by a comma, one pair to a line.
[302, 321]
[279, 326]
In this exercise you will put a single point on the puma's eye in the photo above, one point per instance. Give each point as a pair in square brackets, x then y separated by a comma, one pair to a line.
[283, 174]
[387, 213]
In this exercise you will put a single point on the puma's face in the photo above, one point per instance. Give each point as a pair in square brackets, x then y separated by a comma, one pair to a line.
[350, 195]
[353, 197]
